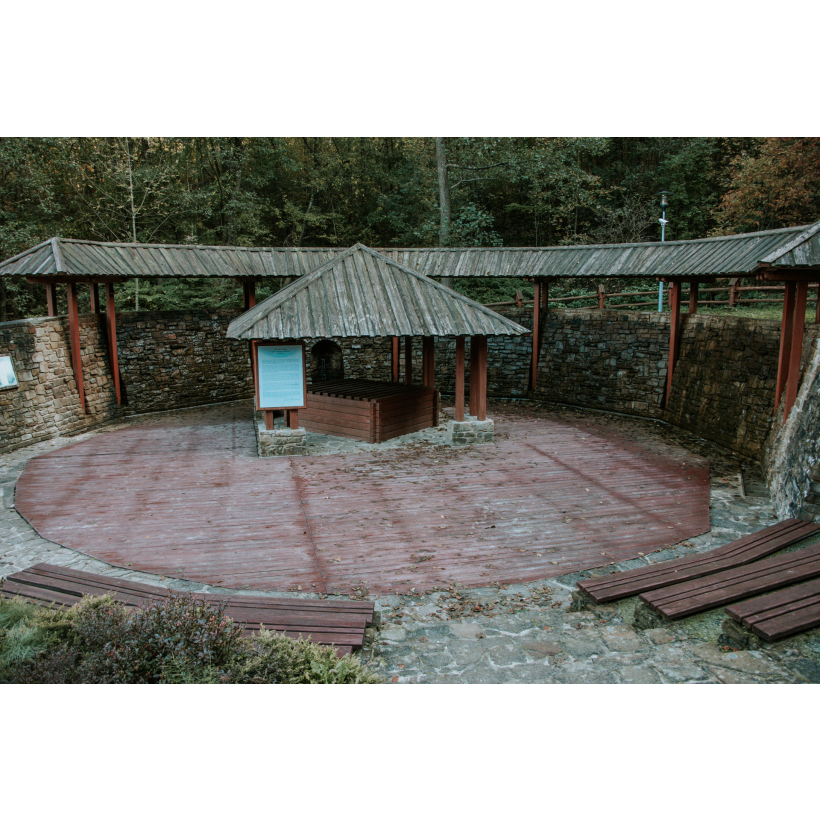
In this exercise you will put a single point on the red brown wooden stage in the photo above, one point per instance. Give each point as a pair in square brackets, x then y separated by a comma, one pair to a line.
[186, 496]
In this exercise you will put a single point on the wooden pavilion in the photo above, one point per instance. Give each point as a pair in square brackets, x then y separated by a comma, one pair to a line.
[787, 255]
[363, 293]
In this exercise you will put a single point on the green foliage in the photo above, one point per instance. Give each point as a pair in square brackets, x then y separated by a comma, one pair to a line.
[279, 659]
[312, 191]
[179, 640]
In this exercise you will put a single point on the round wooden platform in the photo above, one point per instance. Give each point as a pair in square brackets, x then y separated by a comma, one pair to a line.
[186, 496]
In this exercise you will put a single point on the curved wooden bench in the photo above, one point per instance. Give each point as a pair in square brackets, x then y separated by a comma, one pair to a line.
[336, 623]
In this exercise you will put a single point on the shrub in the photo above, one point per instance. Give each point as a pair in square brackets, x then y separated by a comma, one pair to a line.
[275, 658]
[178, 640]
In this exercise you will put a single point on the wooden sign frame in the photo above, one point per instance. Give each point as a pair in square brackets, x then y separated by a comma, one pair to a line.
[256, 346]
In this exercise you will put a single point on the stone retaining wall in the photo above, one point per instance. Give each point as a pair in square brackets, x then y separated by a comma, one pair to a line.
[724, 383]
[46, 403]
[791, 458]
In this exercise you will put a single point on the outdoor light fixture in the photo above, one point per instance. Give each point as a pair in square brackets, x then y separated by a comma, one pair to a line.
[664, 221]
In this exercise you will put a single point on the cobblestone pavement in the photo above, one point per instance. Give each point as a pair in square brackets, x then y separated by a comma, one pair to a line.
[523, 633]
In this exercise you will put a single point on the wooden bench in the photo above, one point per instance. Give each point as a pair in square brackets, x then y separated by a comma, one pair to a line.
[782, 613]
[337, 623]
[735, 554]
[732, 585]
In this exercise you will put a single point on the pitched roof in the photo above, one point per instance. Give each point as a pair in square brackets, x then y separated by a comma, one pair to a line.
[714, 256]
[361, 292]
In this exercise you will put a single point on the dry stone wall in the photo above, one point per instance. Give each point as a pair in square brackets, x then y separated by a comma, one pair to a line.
[791, 458]
[46, 402]
[724, 382]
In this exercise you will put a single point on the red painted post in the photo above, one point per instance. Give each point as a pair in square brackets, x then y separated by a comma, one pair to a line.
[674, 334]
[269, 419]
[601, 292]
[111, 330]
[693, 298]
[251, 294]
[459, 378]
[733, 286]
[293, 419]
[474, 377]
[395, 359]
[51, 298]
[408, 360]
[428, 349]
[481, 358]
[801, 297]
[536, 326]
[785, 342]
[94, 297]
[74, 335]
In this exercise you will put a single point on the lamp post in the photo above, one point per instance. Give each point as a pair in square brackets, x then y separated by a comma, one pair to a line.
[663, 220]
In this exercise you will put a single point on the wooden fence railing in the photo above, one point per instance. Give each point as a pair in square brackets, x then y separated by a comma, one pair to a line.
[733, 290]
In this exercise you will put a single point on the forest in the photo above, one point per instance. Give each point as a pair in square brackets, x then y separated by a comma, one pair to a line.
[387, 191]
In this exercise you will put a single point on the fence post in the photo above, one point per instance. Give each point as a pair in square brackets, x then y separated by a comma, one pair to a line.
[601, 292]
[733, 286]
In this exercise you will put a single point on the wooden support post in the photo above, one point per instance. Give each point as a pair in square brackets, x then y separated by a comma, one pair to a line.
[797, 345]
[269, 419]
[785, 342]
[292, 419]
[395, 359]
[111, 332]
[693, 298]
[251, 294]
[733, 291]
[408, 360]
[459, 378]
[428, 351]
[474, 378]
[74, 335]
[94, 297]
[51, 298]
[479, 377]
[674, 334]
[536, 327]
[601, 292]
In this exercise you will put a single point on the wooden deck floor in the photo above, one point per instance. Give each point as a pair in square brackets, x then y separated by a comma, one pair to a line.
[186, 496]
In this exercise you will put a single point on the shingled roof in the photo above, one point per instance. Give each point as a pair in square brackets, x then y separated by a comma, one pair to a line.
[361, 292]
[737, 255]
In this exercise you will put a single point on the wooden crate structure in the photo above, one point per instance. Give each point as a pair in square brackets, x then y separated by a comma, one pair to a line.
[367, 410]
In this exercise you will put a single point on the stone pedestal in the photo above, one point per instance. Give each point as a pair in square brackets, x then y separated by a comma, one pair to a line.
[471, 431]
[281, 441]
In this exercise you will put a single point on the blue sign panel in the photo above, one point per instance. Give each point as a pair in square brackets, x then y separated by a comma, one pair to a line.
[7, 377]
[281, 376]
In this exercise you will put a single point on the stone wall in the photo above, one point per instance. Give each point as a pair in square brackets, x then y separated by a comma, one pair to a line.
[46, 403]
[791, 457]
[724, 383]
[174, 359]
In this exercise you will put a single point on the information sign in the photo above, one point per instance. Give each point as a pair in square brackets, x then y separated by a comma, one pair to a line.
[7, 375]
[281, 376]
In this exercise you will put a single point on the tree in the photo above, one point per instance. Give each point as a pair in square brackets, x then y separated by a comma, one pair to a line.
[777, 187]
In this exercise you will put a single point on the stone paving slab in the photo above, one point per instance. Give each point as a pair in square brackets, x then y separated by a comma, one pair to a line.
[523, 633]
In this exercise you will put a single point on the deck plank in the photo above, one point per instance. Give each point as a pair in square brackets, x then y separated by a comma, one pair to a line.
[192, 500]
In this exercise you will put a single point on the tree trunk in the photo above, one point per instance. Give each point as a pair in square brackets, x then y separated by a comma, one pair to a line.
[444, 201]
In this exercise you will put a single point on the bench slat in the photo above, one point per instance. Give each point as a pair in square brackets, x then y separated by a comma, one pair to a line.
[731, 585]
[326, 622]
[736, 553]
